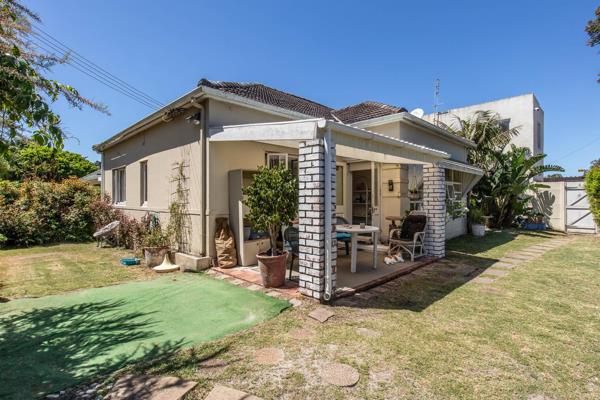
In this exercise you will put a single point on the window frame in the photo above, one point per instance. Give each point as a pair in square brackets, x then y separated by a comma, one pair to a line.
[144, 183]
[119, 186]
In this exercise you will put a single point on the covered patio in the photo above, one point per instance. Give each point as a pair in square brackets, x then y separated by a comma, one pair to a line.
[323, 267]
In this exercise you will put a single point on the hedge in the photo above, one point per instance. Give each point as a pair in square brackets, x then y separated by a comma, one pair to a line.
[35, 212]
[592, 188]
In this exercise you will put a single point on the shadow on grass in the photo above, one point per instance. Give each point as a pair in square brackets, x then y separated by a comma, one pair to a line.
[429, 284]
[48, 349]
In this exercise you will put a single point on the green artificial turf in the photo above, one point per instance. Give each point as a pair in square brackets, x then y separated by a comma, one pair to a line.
[54, 342]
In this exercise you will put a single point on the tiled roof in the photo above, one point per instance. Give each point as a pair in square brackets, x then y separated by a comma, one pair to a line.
[365, 110]
[270, 96]
[267, 95]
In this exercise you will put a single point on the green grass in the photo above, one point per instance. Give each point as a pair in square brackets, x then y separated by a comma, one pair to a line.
[55, 342]
[44, 270]
[531, 333]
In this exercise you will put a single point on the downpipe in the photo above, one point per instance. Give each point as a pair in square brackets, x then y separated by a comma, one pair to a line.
[203, 147]
[327, 295]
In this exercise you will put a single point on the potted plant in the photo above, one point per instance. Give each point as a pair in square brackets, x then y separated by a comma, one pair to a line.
[272, 201]
[477, 221]
[156, 244]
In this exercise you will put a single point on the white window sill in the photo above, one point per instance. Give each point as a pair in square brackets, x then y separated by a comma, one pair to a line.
[121, 204]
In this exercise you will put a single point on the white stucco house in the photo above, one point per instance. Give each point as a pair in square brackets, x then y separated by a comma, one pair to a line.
[357, 162]
[523, 111]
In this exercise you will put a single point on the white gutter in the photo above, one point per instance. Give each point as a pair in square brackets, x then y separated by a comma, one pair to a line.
[328, 211]
[416, 121]
[364, 134]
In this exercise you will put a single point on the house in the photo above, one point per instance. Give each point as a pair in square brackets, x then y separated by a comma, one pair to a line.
[522, 111]
[94, 178]
[357, 162]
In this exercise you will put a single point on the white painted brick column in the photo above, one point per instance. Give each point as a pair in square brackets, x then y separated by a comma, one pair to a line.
[434, 203]
[311, 213]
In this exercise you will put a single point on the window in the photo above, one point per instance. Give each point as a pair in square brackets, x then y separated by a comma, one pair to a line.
[504, 124]
[283, 159]
[339, 185]
[454, 186]
[118, 176]
[144, 183]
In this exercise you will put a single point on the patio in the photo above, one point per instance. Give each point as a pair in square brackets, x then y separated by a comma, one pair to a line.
[319, 147]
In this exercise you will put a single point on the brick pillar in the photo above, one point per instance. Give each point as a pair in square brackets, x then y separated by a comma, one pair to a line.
[434, 203]
[311, 215]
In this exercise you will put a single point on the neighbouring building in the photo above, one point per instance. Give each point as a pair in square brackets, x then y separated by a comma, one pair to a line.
[522, 111]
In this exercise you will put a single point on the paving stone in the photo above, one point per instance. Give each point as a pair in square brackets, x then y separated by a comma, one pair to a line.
[220, 392]
[237, 281]
[520, 256]
[269, 356]
[340, 374]
[483, 279]
[504, 265]
[368, 332]
[495, 272]
[146, 387]
[273, 293]
[212, 366]
[254, 287]
[301, 334]
[321, 314]
[295, 302]
[512, 261]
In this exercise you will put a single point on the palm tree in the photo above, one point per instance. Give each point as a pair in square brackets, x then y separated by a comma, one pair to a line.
[508, 175]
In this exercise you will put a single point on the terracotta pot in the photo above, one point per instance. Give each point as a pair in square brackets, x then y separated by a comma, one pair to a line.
[154, 255]
[272, 269]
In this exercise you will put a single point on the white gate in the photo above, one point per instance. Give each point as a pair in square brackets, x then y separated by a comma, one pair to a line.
[578, 216]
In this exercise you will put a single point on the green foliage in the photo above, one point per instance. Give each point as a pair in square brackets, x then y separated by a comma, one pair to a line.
[179, 217]
[272, 199]
[157, 237]
[592, 188]
[35, 161]
[476, 215]
[593, 30]
[35, 212]
[26, 93]
[507, 173]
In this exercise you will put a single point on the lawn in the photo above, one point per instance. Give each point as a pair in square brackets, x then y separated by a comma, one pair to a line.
[44, 270]
[54, 342]
[531, 334]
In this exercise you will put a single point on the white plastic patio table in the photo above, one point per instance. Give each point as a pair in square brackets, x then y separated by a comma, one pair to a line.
[354, 230]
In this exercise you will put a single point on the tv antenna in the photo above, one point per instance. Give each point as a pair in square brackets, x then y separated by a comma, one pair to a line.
[436, 102]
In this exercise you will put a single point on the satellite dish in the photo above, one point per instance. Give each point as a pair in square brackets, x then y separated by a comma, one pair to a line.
[418, 112]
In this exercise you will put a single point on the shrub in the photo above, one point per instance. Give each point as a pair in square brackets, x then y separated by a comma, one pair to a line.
[592, 188]
[35, 212]
[131, 232]
[272, 199]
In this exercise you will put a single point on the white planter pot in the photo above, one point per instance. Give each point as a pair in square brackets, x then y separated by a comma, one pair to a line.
[478, 230]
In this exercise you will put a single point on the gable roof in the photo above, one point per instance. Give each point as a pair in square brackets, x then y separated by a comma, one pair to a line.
[267, 95]
[365, 110]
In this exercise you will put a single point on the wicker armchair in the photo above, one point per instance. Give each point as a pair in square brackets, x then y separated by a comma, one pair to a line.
[410, 237]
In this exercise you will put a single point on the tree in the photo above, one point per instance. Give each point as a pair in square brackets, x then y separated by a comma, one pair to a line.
[272, 200]
[35, 161]
[26, 93]
[508, 172]
[593, 30]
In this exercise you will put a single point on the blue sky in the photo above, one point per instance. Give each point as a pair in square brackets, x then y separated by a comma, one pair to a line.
[338, 54]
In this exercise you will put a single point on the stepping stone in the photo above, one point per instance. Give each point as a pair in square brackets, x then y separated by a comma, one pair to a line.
[254, 287]
[301, 334]
[146, 387]
[213, 366]
[340, 374]
[495, 272]
[512, 261]
[220, 392]
[295, 302]
[520, 256]
[321, 314]
[483, 279]
[504, 265]
[368, 332]
[269, 356]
